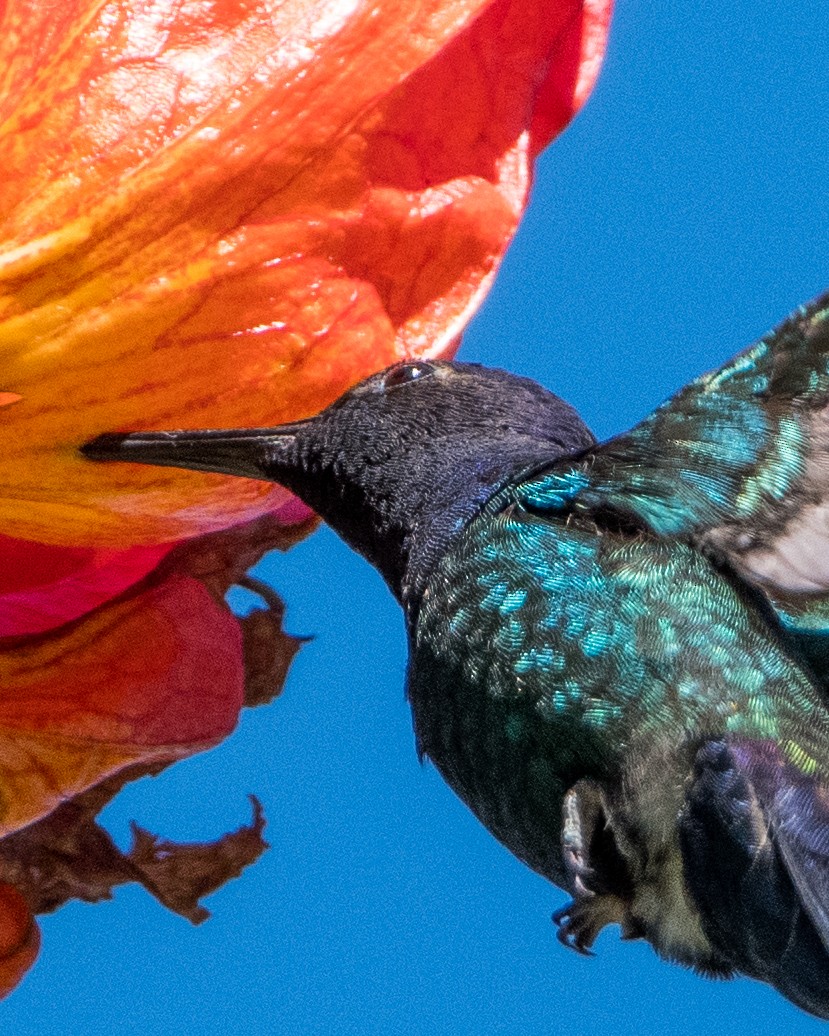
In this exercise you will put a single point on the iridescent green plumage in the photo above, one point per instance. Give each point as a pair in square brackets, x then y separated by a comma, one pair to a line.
[619, 653]
[612, 638]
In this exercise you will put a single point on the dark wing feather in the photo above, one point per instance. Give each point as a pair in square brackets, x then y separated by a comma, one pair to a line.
[738, 463]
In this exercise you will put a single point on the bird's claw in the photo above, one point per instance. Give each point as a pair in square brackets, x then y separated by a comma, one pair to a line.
[580, 921]
[574, 930]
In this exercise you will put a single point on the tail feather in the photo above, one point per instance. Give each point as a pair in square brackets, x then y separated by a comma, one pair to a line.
[755, 842]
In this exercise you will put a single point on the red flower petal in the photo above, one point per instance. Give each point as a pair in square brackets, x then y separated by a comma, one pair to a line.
[42, 587]
[19, 938]
[148, 679]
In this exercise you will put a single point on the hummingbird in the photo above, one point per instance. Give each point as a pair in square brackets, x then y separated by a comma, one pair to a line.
[618, 651]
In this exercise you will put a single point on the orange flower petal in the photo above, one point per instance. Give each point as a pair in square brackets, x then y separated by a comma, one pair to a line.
[228, 214]
[148, 679]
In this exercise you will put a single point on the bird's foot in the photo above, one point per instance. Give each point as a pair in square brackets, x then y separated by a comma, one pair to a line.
[580, 921]
[597, 872]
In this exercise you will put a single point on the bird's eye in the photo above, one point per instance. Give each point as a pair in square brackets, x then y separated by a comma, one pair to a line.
[403, 373]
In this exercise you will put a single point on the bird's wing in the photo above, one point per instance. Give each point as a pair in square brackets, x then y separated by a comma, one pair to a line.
[738, 463]
[755, 843]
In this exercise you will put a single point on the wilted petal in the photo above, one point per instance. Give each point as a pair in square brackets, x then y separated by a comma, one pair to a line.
[68, 855]
[151, 677]
[225, 214]
[118, 694]
[179, 874]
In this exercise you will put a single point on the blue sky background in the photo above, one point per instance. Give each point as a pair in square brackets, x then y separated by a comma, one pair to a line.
[681, 216]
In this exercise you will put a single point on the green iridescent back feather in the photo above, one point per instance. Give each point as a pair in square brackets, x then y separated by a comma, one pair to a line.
[733, 463]
[731, 447]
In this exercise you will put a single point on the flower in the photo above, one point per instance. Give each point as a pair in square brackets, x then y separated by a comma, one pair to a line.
[225, 213]
[218, 213]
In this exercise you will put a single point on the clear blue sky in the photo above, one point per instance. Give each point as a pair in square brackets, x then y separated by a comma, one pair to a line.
[683, 214]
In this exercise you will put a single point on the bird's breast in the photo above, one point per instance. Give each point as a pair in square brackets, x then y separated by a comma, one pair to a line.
[511, 682]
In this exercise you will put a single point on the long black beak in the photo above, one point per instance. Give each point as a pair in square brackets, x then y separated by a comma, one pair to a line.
[249, 452]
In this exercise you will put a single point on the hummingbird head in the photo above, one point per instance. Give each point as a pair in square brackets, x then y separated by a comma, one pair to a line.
[397, 465]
